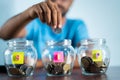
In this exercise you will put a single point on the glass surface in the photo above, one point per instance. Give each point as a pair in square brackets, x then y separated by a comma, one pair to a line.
[93, 56]
[20, 58]
[58, 58]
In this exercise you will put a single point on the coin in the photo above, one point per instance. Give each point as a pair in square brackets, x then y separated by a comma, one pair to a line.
[29, 70]
[103, 66]
[86, 61]
[66, 67]
[58, 70]
[15, 71]
[23, 67]
[94, 69]
[90, 60]
[26, 69]
[55, 68]
[99, 63]
[50, 68]
[58, 30]
[90, 66]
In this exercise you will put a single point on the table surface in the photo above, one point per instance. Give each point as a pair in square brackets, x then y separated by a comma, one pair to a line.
[113, 73]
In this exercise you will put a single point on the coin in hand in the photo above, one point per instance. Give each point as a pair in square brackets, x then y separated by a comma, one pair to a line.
[58, 30]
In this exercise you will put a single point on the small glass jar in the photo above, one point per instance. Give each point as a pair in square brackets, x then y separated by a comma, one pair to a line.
[58, 58]
[93, 56]
[20, 58]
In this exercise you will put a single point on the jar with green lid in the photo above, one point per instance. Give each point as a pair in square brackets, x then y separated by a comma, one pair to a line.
[93, 56]
[20, 58]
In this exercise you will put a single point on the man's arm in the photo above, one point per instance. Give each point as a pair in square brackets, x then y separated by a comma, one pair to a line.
[46, 11]
[14, 26]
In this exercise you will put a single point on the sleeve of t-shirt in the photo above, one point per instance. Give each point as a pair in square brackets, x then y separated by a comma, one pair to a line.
[81, 33]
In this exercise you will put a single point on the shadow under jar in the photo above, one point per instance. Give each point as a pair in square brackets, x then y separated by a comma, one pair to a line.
[20, 58]
[58, 58]
[93, 56]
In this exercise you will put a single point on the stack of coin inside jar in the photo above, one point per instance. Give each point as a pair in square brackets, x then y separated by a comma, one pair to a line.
[20, 70]
[58, 68]
[91, 66]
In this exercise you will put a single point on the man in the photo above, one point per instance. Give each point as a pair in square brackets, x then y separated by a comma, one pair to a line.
[38, 23]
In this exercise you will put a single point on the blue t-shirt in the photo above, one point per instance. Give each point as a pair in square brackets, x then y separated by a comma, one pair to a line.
[39, 32]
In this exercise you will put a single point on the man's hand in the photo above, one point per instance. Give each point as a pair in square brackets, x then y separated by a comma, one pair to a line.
[47, 12]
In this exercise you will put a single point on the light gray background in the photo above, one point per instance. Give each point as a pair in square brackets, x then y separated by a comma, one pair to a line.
[102, 18]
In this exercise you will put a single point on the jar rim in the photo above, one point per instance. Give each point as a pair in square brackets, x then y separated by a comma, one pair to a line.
[93, 41]
[64, 42]
[19, 41]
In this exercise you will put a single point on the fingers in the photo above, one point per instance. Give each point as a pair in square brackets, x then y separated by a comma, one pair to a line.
[53, 14]
[46, 12]
[40, 13]
[49, 12]
[49, 1]
[59, 17]
[54, 17]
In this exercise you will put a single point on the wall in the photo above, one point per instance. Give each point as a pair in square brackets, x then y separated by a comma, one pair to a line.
[6, 11]
[103, 20]
[101, 16]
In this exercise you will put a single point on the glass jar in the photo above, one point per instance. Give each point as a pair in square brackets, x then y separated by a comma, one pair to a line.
[58, 58]
[20, 58]
[93, 56]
